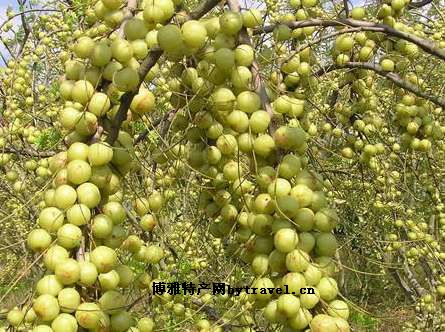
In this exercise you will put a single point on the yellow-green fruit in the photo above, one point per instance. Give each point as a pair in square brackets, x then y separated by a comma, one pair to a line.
[122, 50]
[88, 273]
[69, 300]
[135, 29]
[230, 23]
[100, 154]
[252, 18]
[77, 150]
[64, 323]
[112, 302]
[38, 240]
[65, 196]
[101, 55]
[51, 219]
[99, 104]
[89, 315]
[15, 317]
[145, 324]
[46, 307]
[69, 236]
[49, 284]
[84, 47]
[126, 79]
[68, 271]
[88, 194]
[82, 91]
[78, 171]
[78, 214]
[54, 256]
[194, 34]
[103, 258]
[143, 102]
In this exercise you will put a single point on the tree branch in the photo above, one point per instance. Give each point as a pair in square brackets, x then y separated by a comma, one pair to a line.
[425, 45]
[145, 67]
[419, 4]
[396, 79]
[259, 85]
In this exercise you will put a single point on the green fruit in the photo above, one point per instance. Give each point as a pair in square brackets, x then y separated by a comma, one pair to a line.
[78, 171]
[252, 18]
[100, 154]
[103, 258]
[121, 321]
[69, 300]
[99, 104]
[68, 271]
[54, 256]
[89, 315]
[145, 324]
[65, 196]
[358, 13]
[259, 121]
[230, 23]
[88, 194]
[51, 219]
[78, 151]
[297, 260]
[100, 56]
[168, 37]
[121, 50]
[244, 55]
[387, 65]
[224, 59]
[109, 280]
[38, 240]
[328, 288]
[285, 240]
[264, 145]
[279, 187]
[112, 302]
[326, 244]
[15, 317]
[143, 102]
[82, 91]
[64, 323]
[46, 307]
[126, 79]
[78, 214]
[102, 226]
[288, 305]
[49, 284]
[84, 47]
[69, 236]
[194, 34]
[88, 273]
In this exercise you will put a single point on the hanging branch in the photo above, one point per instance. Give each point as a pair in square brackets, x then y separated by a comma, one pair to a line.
[425, 45]
[145, 67]
[396, 79]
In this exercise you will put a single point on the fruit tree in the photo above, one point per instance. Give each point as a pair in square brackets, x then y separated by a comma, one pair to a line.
[262, 145]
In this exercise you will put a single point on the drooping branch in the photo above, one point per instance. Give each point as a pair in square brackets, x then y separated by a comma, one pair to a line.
[396, 79]
[127, 97]
[346, 7]
[146, 65]
[425, 45]
[26, 12]
[28, 152]
[129, 12]
[26, 30]
[259, 85]
[419, 4]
